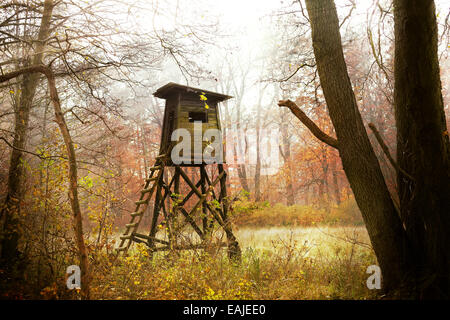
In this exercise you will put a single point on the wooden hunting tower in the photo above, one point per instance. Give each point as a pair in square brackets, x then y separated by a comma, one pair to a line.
[182, 214]
[185, 106]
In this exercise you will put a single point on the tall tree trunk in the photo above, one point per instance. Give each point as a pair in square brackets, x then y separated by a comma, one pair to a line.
[73, 184]
[258, 157]
[242, 173]
[141, 142]
[324, 197]
[258, 145]
[234, 250]
[337, 192]
[11, 209]
[422, 144]
[306, 195]
[286, 154]
[358, 158]
[73, 176]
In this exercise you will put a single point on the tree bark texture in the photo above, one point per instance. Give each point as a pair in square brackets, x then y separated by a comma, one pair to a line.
[11, 209]
[422, 145]
[358, 158]
[73, 176]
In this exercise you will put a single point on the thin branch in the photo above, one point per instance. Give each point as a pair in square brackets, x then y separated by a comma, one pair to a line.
[33, 69]
[315, 130]
[52, 157]
[29, 152]
[349, 14]
[298, 68]
[387, 153]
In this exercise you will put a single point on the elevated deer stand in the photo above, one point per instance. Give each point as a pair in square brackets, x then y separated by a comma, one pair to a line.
[185, 106]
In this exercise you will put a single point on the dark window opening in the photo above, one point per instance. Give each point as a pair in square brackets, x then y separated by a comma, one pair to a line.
[198, 116]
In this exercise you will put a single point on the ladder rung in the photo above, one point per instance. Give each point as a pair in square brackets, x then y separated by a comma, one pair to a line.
[143, 201]
[146, 190]
[131, 225]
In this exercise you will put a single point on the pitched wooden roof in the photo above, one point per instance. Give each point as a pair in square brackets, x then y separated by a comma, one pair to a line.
[172, 87]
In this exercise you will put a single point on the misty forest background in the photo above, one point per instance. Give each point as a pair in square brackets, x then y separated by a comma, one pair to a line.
[80, 128]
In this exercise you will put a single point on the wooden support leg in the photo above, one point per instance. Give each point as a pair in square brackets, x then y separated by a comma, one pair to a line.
[176, 200]
[234, 251]
[203, 189]
[203, 175]
[156, 209]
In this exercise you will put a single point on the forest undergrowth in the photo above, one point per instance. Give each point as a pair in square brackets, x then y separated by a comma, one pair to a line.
[277, 263]
[283, 257]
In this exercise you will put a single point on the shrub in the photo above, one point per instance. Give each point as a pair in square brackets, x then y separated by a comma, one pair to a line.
[347, 213]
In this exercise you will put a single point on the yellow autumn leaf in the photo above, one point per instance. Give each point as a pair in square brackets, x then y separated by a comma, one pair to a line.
[206, 106]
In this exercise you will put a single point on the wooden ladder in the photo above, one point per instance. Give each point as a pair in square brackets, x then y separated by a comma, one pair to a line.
[142, 204]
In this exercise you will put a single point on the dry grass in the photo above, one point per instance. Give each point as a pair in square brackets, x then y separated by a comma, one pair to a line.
[249, 214]
[277, 263]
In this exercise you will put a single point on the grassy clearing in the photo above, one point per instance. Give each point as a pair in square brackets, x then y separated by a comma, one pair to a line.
[247, 213]
[277, 263]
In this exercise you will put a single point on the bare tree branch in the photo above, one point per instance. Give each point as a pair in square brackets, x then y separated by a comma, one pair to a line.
[387, 153]
[315, 130]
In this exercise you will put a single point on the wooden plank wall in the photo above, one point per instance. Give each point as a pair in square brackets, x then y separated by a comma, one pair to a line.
[192, 103]
[176, 115]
